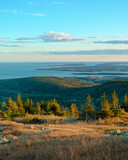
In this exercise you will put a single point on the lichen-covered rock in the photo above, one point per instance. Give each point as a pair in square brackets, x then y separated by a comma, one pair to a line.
[30, 127]
[4, 141]
[115, 132]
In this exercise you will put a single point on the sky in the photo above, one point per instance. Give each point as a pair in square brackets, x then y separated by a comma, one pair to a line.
[63, 30]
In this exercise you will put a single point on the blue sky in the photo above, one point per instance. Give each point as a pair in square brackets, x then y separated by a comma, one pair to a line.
[63, 30]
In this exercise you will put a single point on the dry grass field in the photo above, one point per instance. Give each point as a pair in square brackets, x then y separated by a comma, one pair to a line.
[66, 141]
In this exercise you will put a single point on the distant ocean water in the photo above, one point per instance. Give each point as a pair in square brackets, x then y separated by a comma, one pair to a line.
[21, 70]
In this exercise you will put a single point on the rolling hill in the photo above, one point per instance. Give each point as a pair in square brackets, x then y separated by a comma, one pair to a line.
[64, 90]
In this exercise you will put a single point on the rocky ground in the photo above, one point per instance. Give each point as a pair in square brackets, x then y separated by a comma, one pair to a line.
[13, 131]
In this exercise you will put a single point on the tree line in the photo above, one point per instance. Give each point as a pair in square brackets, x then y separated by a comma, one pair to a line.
[108, 108]
[19, 108]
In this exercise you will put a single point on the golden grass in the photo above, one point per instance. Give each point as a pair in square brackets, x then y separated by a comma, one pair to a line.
[114, 120]
[68, 141]
[69, 148]
[47, 119]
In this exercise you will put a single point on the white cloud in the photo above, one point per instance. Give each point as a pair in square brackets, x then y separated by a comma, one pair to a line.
[113, 42]
[24, 38]
[59, 37]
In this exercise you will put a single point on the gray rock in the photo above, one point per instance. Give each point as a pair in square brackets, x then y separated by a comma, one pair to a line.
[115, 132]
[42, 128]
[30, 127]
[4, 141]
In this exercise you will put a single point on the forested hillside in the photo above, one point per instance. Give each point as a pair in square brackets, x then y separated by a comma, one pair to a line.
[64, 90]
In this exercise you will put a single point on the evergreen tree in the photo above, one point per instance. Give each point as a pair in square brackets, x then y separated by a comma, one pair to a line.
[125, 103]
[55, 107]
[14, 110]
[114, 103]
[31, 107]
[20, 105]
[11, 109]
[43, 107]
[105, 110]
[26, 105]
[89, 107]
[38, 108]
[74, 110]
[9, 103]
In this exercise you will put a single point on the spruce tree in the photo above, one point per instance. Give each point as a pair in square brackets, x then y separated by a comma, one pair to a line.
[125, 103]
[114, 103]
[14, 110]
[11, 109]
[42, 105]
[89, 107]
[26, 105]
[10, 103]
[20, 105]
[38, 108]
[74, 110]
[55, 107]
[31, 107]
[105, 107]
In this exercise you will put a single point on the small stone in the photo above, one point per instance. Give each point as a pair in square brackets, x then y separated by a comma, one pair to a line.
[4, 141]
[30, 127]
[115, 132]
